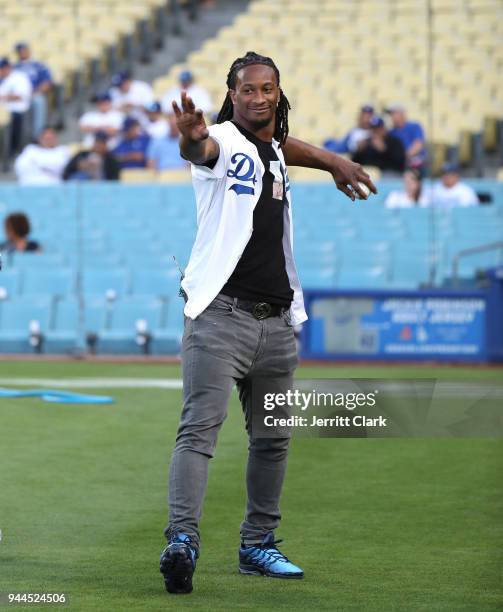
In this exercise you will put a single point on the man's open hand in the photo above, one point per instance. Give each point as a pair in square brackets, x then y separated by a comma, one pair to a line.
[347, 176]
[189, 120]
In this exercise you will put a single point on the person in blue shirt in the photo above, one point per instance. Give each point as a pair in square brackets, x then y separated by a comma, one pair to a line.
[410, 133]
[41, 81]
[164, 153]
[131, 152]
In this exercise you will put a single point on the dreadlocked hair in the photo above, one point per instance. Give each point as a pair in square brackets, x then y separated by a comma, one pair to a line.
[226, 112]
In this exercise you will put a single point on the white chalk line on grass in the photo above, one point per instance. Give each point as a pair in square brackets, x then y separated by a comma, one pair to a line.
[458, 389]
[95, 383]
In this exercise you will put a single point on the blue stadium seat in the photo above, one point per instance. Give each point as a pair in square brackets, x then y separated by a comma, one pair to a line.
[17, 316]
[409, 271]
[69, 331]
[10, 283]
[147, 261]
[37, 260]
[164, 282]
[359, 255]
[313, 259]
[318, 278]
[56, 282]
[101, 260]
[375, 277]
[99, 282]
[97, 314]
[63, 335]
[168, 339]
[127, 314]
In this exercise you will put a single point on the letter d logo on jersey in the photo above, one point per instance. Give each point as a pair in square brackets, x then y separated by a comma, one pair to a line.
[244, 171]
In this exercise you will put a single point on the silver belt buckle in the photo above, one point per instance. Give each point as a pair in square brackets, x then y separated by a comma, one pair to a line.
[261, 310]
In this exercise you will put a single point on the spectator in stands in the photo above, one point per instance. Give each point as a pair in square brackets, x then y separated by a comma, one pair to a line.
[199, 95]
[450, 191]
[156, 125]
[131, 151]
[410, 133]
[355, 136]
[413, 193]
[164, 153]
[103, 119]
[42, 163]
[381, 149]
[15, 95]
[96, 164]
[130, 96]
[41, 82]
[17, 230]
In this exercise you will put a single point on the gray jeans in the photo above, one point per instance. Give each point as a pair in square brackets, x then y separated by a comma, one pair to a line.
[222, 346]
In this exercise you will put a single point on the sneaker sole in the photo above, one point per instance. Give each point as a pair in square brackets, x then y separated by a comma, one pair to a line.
[177, 569]
[255, 572]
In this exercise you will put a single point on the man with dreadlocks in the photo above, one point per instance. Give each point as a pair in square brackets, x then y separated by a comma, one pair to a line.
[243, 298]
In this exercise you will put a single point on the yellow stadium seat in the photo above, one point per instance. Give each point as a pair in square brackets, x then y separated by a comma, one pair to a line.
[4, 116]
[438, 153]
[138, 175]
[490, 133]
[174, 176]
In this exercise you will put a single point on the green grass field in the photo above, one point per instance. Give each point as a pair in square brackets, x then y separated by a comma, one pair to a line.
[376, 524]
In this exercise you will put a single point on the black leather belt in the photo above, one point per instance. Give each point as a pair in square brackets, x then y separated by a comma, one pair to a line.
[260, 310]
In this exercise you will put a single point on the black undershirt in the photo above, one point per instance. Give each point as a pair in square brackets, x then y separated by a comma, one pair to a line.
[260, 274]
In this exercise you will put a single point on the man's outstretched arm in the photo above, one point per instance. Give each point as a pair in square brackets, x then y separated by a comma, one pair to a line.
[347, 175]
[196, 144]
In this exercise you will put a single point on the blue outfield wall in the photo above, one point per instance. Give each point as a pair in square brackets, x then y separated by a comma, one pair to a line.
[422, 325]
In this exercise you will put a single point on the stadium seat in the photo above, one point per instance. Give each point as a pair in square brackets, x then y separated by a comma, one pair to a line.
[10, 283]
[375, 277]
[112, 282]
[40, 261]
[65, 333]
[138, 175]
[97, 314]
[133, 323]
[23, 320]
[318, 278]
[57, 282]
[160, 282]
[168, 339]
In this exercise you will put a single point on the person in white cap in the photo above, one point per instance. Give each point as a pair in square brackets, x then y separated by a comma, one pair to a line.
[451, 191]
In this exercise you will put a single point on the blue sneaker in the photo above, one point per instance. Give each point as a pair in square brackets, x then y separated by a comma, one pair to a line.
[178, 562]
[266, 560]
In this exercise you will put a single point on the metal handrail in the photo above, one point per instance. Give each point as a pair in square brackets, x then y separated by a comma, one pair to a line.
[472, 251]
